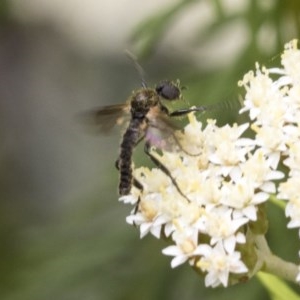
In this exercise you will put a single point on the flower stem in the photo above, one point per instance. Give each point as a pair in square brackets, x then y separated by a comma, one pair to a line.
[273, 264]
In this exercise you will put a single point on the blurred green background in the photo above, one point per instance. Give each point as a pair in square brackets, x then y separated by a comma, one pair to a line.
[62, 231]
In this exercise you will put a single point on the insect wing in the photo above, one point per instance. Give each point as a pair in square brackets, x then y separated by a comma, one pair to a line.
[104, 118]
[160, 132]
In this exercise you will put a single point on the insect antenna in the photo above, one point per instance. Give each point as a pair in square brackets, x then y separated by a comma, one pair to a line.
[138, 67]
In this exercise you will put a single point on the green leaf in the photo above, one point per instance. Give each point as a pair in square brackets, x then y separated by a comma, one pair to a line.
[276, 287]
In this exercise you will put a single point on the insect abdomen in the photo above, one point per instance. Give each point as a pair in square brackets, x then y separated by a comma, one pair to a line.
[130, 138]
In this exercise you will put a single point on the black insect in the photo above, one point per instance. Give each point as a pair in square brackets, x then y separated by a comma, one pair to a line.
[149, 120]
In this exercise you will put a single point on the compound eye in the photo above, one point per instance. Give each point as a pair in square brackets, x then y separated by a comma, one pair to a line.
[168, 90]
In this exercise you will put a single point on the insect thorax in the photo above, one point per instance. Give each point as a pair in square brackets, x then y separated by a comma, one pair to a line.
[142, 100]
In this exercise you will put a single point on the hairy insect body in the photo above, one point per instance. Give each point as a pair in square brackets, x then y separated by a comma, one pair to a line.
[141, 103]
[124, 163]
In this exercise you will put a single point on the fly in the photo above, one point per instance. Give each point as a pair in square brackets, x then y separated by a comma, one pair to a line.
[149, 121]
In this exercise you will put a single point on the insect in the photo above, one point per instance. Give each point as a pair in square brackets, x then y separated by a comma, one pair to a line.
[149, 121]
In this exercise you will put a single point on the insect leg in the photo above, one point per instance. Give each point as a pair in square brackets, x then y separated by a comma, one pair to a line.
[181, 148]
[162, 167]
[181, 112]
[139, 186]
[215, 106]
[117, 164]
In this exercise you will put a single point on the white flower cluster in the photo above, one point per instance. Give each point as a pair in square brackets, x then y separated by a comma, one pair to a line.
[225, 177]
[275, 109]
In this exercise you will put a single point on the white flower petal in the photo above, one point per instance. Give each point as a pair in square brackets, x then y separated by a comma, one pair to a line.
[178, 260]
